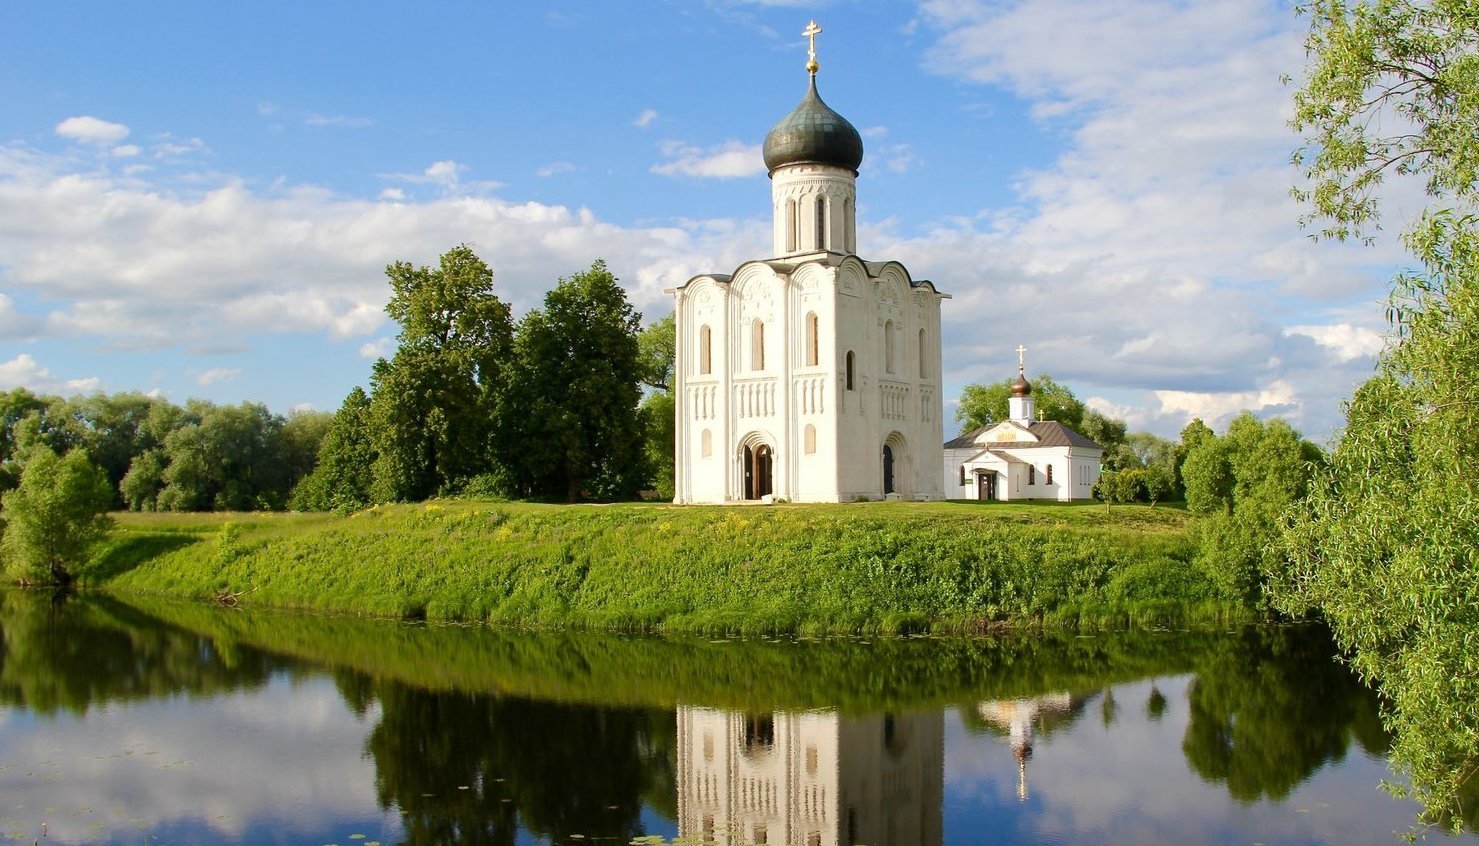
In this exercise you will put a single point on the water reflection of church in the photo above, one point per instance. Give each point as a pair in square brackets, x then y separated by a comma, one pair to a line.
[813, 778]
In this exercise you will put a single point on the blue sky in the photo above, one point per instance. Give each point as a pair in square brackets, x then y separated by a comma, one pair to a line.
[199, 199]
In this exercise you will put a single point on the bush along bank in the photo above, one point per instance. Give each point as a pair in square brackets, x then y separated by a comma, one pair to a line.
[880, 567]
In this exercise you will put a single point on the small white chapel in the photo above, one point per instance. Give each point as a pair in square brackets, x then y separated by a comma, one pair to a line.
[1021, 457]
[813, 375]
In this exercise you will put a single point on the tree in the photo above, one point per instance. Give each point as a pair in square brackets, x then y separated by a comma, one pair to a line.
[144, 480]
[982, 404]
[657, 349]
[571, 401]
[55, 517]
[433, 415]
[1243, 485]
[1386, 549]
[342, 477]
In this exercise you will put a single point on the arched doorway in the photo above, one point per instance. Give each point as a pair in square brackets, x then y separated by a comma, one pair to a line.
[888, 469]
[985, 485]
[758, 477]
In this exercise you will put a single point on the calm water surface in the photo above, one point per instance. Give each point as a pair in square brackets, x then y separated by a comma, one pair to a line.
[170, 723]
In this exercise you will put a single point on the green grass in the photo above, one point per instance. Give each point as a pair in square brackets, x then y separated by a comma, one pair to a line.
[867, 568]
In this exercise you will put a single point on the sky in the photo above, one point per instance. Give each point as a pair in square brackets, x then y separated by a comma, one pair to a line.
[200, 199]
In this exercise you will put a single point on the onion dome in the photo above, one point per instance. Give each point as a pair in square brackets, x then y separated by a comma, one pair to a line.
[813, 134]
[1021, 387]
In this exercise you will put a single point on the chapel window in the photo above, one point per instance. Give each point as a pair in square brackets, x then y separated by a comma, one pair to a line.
[888, 346]
[811, 339]
[757, 345]
[811, 439]
[1031, 474]
[923, 370]
[962, 474]
[708, 443]
[705, 350]
[850, 368]
[1050, 474]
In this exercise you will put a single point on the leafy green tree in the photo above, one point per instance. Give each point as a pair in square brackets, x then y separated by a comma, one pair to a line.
[342, 477]
[1103, 430]
[1386, 551]
[657, 349]
[572, 399]
[55, 517]
[144, 480]
[982, 404]
[232, 460]
[1121, 486]
[1244, 485]
[434, 405]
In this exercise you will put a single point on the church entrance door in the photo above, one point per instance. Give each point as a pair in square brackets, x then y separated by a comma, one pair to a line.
[888, 469]
[986, 486]
[757, 472]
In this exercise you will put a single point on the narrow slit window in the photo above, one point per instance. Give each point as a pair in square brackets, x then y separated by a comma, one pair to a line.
[888, 347]
[811, 339]
[757, 345]
[705, 350]
[850, 368]
[821, 222]
[923, 369]
[791, 226]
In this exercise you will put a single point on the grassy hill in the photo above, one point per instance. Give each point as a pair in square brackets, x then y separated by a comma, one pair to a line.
[869, 567]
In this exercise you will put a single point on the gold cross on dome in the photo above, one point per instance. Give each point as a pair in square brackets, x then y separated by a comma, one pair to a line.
[811, 32]
[1021, 360]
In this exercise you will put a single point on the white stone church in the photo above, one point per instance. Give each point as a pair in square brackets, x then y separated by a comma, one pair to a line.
[814, 375]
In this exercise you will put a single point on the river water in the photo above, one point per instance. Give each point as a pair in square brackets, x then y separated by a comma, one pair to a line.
[170, 723]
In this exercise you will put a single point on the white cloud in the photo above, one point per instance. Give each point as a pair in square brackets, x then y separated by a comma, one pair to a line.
[132, 264]
[378, 348]
[337, 120]
[393, 194]
[645, 119]
[730, 160]
[555, 168]
[1152, 262]
[24, 371]
[92, 130]
[170, 148]
[216, 375]
[1347, 341]
[124, 151]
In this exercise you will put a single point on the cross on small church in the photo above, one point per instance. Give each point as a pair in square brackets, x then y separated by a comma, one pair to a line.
[811, 32]
[1021, 360]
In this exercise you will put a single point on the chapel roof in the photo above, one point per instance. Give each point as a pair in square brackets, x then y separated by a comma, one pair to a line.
[1049, 433]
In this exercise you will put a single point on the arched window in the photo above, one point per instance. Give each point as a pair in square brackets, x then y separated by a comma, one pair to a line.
[923, 368]
[850, 368]
[810, 439]
[1050, 474]
[888, 346]
[791, 225]
[821, 222]
[1032, 474]
[757, 345]
[811, 339]
[705, 350]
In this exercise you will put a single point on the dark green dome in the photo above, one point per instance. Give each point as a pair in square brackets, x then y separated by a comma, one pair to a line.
[813, 134]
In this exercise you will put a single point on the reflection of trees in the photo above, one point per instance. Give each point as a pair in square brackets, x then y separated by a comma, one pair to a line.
[1270, 706]
[81, 652]
[465, 768]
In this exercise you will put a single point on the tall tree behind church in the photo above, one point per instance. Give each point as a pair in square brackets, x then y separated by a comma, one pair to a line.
[433, 406]
[571, 403]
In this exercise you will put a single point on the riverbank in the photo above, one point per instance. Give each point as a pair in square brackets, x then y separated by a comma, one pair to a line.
[869, 568]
